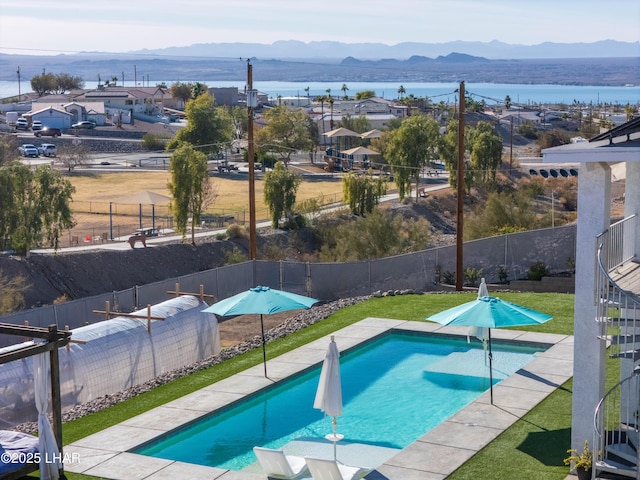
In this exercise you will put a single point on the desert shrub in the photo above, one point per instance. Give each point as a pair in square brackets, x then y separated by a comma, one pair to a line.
[449, 278]
[11, 293]
[152, 141]
[221, 236]
[472, 275]
[235, 256]
[537, 270]
[235, 230]
[503, 273]
[379, 234]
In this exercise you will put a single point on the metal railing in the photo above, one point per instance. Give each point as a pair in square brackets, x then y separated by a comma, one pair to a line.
[616, 436]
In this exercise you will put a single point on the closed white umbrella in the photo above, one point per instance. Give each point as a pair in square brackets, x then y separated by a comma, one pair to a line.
[329, 393]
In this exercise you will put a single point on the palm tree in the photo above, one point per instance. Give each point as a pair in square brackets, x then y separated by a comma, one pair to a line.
[401, 91]
[307, 90]
[344, 89]
[331, 118]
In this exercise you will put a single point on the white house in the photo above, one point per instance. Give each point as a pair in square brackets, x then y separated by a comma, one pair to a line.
[50, 116]
[607, 305]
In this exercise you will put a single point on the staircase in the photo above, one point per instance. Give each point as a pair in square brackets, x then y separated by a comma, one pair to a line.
[616, 420]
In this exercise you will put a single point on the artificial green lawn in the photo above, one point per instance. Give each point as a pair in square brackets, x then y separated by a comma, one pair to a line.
[533, 447]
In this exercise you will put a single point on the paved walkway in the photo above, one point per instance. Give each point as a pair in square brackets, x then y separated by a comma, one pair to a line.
[432, 457]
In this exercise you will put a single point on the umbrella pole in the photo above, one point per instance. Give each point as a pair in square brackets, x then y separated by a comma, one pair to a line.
[335, 438]
[490, 368]
[264, 351]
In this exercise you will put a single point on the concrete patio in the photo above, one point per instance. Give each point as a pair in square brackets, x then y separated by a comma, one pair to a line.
[434, 456]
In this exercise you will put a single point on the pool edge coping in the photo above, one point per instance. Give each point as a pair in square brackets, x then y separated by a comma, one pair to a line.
[435, 455]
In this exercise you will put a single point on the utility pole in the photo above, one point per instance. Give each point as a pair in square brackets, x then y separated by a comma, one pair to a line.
[460, 179]
[251, 103]
[19, 93]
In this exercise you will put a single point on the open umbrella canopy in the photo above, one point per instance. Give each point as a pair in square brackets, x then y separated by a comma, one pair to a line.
[360, 151]
[491, 312]
[341, 132]
[260, 300]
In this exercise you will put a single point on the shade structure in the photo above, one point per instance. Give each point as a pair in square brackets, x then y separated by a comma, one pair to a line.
[329, 393]
[145, 198]
[375, 133]
[341, 132]
[490, 312]
[263, 301]
[360, 151]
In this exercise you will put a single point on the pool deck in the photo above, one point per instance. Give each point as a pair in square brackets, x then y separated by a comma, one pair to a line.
[432, 457]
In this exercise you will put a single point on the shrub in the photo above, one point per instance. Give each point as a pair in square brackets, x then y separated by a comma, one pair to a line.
[472, 275]
[503, 273]
[537, 270]
[236, 230]
[235, 256]
[151, 141]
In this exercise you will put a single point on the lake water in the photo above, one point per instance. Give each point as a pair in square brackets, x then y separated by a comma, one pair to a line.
[491, 92]
[394, 390]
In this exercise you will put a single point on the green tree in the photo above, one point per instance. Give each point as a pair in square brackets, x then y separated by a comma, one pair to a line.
[411, 147]
[198, 89]
[280, 188]
[345, 89]
[181, 91]
[66, 83]
[363, 95]
[35, 206]
[401, 91]
[507, 102]
[44, 84]
[486, 152]
[208, 127]
[189, 187]
[362, 192]
[287, 131]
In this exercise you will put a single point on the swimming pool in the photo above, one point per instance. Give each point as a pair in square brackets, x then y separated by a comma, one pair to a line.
[424, 379]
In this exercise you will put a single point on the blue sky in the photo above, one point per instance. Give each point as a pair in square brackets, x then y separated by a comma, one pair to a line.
[48, 27]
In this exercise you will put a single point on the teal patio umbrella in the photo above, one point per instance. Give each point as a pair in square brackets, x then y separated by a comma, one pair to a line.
[263, 301]
[489, 312]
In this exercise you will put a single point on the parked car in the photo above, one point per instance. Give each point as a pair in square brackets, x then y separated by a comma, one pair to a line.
[36, 125]
[28, 150]
[48, 132]
[84, 124]
[22, 124]
[47, 149]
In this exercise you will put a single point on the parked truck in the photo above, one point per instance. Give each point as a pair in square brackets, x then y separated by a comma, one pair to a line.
[12, 117]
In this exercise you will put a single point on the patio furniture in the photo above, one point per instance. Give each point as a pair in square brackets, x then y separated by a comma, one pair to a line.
[322, 469]
[278, 465]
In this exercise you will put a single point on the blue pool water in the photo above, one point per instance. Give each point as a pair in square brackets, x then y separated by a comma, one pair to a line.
[395, 389]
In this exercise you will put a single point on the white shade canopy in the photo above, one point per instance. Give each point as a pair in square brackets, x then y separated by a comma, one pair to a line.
[360, 151]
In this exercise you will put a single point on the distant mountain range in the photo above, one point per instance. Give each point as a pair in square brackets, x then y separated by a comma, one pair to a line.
[600, 63]
[292, 49]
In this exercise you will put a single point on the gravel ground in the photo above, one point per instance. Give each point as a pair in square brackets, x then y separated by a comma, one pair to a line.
[290, 325]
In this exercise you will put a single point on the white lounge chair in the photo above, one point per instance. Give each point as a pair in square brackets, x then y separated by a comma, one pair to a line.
[278, 465]
[322, 469]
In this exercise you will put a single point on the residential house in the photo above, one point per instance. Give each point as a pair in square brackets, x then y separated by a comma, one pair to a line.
[607, 301]
[51, 116]
[140, 102]
[92, 111]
